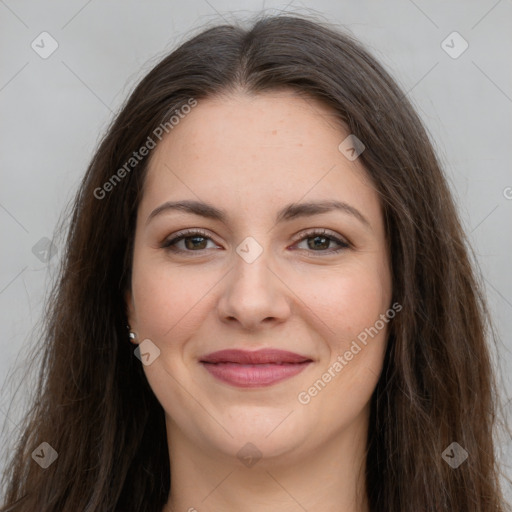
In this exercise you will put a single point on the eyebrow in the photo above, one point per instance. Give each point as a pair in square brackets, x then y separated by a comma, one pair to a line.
[289, 212]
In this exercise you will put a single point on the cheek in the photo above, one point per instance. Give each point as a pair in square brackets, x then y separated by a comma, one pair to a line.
[347, 300]
[350, 303]
[361, 335]
[168, 297]
[352, 307]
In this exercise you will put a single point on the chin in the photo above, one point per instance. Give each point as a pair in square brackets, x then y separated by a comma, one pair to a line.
[270, 435]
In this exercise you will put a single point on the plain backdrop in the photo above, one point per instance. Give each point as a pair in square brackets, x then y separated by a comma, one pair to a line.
[54, 111]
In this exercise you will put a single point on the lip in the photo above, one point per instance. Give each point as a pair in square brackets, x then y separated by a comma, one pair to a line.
[258, 368]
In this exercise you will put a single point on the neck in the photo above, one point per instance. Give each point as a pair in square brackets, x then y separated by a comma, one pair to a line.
[329, 478]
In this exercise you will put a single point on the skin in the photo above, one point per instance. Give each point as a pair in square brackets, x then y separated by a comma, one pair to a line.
[251, 155]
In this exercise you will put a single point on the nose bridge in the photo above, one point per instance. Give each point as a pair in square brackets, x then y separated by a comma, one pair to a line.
[252, 293]
[251, 264]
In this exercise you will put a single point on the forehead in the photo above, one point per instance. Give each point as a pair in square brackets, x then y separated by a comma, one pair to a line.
[266, 148]
[236, 125]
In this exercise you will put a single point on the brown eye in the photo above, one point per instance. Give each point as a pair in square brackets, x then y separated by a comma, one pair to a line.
[193, 241]
[319, 241]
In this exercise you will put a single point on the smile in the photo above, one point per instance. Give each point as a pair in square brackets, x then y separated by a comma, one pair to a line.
[254, 369]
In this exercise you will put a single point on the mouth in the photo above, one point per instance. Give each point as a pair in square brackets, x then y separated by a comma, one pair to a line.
[259, 368]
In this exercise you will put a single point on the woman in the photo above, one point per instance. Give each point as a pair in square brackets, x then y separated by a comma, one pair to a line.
[268, 218]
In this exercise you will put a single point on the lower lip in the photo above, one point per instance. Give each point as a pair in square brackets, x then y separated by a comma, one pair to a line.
[254, 375]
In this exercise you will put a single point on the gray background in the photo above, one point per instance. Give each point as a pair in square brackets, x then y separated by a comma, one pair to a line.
[55, 110]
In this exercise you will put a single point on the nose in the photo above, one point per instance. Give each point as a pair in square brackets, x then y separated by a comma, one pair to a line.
[254, 295]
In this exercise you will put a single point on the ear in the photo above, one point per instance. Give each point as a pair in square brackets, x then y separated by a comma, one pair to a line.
[130, 310]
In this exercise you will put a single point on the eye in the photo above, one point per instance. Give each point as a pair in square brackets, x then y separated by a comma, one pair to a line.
[196, 240]
[320, 240]
[193, 239]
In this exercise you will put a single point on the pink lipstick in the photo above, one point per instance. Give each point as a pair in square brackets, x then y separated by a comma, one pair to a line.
[254, 369]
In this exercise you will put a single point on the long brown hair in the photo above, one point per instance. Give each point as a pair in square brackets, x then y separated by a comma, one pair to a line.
[93, 403]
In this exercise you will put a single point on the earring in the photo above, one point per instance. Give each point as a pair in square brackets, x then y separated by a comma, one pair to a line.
[131, 335]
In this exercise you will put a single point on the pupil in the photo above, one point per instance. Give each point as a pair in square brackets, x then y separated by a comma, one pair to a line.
[315, 245]
[190, 242]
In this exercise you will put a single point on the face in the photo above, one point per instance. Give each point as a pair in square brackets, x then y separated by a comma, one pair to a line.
[256, 270]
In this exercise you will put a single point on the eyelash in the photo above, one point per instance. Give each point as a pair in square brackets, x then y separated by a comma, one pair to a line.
[190, 233]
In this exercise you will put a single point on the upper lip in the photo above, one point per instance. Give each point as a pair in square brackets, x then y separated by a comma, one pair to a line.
[263, 356]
